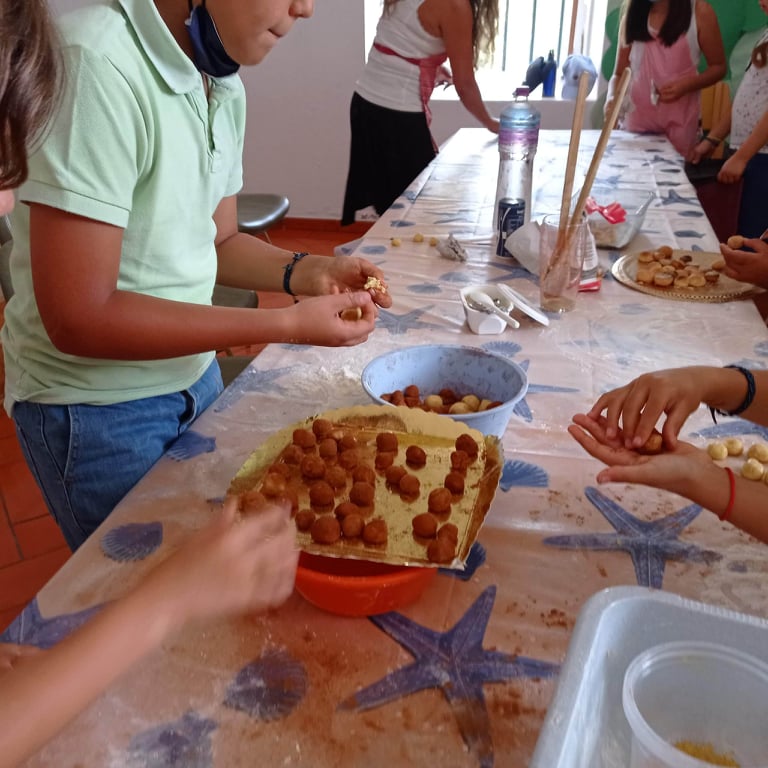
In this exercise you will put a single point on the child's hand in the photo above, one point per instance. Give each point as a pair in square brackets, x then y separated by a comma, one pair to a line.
[671, 91]
[633, 410]
[232, 566]
[747, 266]
[11, 655]
[333, 320]
[700, 151]
[671, 471]
[732, 170]
[350, 273]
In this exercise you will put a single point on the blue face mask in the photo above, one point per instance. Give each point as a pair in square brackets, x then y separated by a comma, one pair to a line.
[207, 49]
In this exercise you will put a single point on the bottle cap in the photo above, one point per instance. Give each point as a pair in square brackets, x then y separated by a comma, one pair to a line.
[521, 90]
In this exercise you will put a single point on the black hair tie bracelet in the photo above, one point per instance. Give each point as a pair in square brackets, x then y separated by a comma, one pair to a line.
[748, 398]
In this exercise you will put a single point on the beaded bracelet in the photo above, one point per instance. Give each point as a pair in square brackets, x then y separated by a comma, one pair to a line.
[288, 271]
[748, 398]
[732, 495]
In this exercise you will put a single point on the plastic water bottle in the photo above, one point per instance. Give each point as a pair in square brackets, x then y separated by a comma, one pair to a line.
[518, 139]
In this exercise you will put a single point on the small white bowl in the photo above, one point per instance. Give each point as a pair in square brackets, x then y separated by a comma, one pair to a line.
[478, 321]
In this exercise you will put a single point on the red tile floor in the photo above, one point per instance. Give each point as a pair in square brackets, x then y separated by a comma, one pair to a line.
[31, 546]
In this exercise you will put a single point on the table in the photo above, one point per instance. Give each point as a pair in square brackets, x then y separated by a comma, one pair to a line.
[551, 539]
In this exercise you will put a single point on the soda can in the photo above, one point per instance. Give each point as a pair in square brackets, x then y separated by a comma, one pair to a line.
[510, 216]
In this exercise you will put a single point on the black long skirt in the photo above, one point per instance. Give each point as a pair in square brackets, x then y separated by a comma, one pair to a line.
[389, 150]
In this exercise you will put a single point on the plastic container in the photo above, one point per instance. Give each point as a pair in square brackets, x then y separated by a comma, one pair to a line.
[518, 140]
[466, 370]
[478, 321]
[634, 201]
[707, 695]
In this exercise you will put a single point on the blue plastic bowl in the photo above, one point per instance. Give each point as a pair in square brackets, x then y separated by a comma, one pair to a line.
[466, 370]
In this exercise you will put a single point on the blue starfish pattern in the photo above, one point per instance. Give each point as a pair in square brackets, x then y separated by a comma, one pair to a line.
[400, 324]
[522, 408]
[649, 543]
[251, 380]
[132, 541]
[191, 444]
[732, 428]
[521, 474]
[185, 742]
[475, 559]
[30, 628]
[673, 198]
[456, 662]
[761, 348]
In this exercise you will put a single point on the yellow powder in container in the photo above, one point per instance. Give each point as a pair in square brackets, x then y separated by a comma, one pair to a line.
[707, 753]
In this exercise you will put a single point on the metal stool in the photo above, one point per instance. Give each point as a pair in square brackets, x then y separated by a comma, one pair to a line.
[257, 212]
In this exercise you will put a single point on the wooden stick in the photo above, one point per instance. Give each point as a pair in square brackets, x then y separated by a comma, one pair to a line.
[573, 153]
[605, 134]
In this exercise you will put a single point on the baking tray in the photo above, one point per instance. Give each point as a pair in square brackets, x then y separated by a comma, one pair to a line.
[585, 725]
[725, 289]
[433, 432]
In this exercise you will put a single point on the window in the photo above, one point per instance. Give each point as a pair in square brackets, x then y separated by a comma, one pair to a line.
[529, 29]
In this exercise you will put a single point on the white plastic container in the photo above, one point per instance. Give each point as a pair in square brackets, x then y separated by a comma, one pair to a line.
[478, 321]
[700, 693]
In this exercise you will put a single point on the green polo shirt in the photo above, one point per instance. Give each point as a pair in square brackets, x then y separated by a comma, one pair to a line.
[136, 144]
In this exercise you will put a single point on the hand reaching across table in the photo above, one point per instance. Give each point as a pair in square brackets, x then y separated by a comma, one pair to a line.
[632, 413]
[234, 565]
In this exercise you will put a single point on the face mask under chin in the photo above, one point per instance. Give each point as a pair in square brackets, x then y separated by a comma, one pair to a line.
[208, 51]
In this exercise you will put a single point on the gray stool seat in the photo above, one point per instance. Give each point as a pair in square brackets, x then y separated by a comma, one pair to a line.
[257, 212]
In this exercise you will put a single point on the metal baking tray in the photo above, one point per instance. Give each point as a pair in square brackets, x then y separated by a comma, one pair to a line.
[585, 725]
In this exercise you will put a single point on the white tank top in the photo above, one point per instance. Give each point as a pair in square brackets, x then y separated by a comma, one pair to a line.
[388, 80]
[750, 103]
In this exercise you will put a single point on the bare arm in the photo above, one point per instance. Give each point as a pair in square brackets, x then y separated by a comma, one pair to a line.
[75, 264]
[684, 470]
[454, 21]
[734, 166]
[635, 408]
[622, 62]
[231, 567]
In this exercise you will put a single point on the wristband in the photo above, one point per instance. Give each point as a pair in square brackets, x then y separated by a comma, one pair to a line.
[288, 271]
[748, 398]
[713, 140]
[732, 496]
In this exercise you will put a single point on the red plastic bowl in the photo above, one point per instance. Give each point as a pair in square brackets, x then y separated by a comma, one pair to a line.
[359, 587]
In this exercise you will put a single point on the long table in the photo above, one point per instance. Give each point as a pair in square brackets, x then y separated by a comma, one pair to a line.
[551, 539]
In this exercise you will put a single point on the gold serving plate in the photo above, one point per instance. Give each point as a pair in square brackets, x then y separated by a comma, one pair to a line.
[725, 289]
[436, 434]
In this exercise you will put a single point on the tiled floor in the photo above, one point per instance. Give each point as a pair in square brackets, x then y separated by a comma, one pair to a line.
[31, 546]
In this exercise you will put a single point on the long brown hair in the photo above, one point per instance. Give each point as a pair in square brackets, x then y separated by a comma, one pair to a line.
[485, 25]
[679, 14]
[29, 82]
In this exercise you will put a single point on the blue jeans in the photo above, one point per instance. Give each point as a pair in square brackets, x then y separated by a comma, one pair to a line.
[85, 458]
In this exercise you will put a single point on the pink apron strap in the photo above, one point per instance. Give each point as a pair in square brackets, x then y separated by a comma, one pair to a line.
[427, 72]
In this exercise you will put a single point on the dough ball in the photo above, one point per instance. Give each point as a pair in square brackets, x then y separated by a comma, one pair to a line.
[409, 486]
[362, 473]
[424, 525]
[439, 501]
[395, 474]
[336, 477]
[304, 438]
[734, 445]
[325, 530]
[758, 451]
[352, 526]
[312, 467]
[752, 469]
[351, 313]
[468, 444]
[717, 451]
[441, 550]
[653, 445]
[362, 494]
[375, 532]
[251, 501]
[322, 428]
[415, 456]
[304, 519]
[386, 441]
[454, 482]
[735, 242]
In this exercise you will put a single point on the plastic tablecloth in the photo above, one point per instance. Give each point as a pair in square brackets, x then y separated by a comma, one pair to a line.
[464, 676]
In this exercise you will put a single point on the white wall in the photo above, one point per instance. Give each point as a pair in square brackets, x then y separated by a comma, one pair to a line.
[298, 113]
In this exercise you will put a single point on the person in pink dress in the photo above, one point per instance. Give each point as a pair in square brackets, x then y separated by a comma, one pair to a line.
[662, 41]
